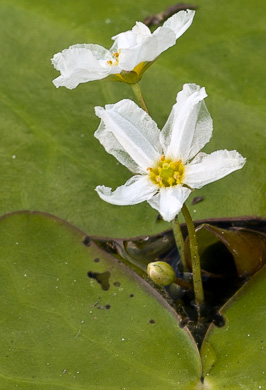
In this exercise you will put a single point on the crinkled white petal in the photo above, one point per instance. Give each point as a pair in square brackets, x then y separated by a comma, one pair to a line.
[169, 201]
[146, 48]
[82, 63]
[133, 37]
[129, 133]
[189, 126]
[206, 168]
[140, 45]
[180, 22]
[136, 190]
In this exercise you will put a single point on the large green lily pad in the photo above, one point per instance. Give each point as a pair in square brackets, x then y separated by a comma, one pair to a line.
[72, 316]
[61, 329]
[50, 160]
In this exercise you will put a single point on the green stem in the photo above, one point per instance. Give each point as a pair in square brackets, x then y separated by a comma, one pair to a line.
[137, 91]
[179, 240]
[197, 282]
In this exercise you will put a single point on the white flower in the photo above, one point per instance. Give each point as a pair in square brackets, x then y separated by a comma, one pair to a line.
[168, 164]
[131, 54]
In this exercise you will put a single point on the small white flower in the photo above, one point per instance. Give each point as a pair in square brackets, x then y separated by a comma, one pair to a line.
[131, 54]
[168, 164]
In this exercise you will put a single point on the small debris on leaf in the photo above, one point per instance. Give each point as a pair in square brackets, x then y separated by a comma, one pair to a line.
[87, 241]
[159, 218]
[197, 199]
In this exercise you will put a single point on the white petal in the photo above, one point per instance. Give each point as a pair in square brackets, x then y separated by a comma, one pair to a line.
[128, 133]
[136, 190]
[140, 45]
[132, 37]
[144, 47]
[180, 22]
[206, 168]
[82, 63]
[169, 201]
[189, 126]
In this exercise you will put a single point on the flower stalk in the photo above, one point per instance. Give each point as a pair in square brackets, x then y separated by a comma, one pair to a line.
[195, 259]
[180, 244]
[138, 93]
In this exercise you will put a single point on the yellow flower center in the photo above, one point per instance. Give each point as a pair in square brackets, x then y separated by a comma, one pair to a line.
[167, 173]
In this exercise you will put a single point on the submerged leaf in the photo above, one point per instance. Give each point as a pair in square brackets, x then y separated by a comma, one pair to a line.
[226, 251]
[223, 275]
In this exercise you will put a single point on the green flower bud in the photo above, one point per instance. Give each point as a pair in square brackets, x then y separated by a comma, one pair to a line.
[161, 273]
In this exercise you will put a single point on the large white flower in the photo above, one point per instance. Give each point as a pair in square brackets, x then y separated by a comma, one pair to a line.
[131, 54]
[168, 164]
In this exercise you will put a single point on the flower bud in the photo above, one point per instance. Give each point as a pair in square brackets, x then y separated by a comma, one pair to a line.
[161, 273]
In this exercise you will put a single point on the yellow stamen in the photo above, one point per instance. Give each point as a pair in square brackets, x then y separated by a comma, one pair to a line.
[171, 181]
[165, 165]
[167, 173]
[115, 60]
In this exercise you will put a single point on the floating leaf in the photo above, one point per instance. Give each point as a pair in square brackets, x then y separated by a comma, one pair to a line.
[72, 316]
[234, 356]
